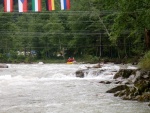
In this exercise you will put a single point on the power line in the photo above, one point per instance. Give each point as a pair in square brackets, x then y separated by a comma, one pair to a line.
[66, 46]
[70, 12]
[37, 33]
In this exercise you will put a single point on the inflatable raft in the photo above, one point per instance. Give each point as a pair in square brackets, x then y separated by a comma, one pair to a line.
[69, 62]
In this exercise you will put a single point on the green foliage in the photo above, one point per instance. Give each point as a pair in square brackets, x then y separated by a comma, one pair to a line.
[90, 58]
[100, 28]
[1, 57]
[145, 61]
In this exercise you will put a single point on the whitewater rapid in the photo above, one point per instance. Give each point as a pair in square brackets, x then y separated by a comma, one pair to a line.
[54, 88]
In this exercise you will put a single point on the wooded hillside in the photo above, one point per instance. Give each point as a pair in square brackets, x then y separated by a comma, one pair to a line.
[95, 28]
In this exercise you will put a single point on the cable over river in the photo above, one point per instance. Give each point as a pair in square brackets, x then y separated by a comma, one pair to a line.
[54, 88]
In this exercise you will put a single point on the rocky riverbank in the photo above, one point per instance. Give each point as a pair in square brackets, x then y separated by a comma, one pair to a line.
[131, 84]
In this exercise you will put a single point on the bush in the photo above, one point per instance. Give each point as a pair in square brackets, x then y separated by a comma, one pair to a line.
[90, 58]
[145, 61]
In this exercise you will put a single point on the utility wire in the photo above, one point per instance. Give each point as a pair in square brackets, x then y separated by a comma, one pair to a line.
[78, 12]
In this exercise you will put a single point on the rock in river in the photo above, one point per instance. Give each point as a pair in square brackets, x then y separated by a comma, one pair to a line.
[3, 66]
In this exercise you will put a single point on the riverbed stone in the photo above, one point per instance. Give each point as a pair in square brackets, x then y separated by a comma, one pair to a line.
[124, 73]
[137, 85]
[117, 88]
[105, 82]
[144, 98]
[3, 66]
[80, 73]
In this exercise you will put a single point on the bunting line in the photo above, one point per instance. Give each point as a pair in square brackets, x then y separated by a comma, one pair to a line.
[36, 5]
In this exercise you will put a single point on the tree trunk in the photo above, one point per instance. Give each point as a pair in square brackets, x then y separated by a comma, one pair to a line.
[147, 38]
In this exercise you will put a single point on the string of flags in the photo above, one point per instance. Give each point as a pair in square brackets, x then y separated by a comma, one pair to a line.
[36, 5]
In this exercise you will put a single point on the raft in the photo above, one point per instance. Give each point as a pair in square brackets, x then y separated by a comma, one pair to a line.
[69, 62]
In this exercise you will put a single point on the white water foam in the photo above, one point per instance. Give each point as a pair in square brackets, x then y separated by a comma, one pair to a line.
[54, 88]
[57, 71]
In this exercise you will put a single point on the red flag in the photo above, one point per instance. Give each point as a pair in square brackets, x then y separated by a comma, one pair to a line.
[8, 5]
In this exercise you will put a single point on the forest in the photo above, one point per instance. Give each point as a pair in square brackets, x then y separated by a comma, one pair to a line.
[90, 30]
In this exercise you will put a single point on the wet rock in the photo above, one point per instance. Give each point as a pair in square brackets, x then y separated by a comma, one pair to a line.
[137, 97]
[144, 98]
[145, 76]
[120, 93]
[105, 82]
[95, 66]
[133, 78]
[117, 82]
[89, 71]
[117, 93]
[118, 88]
[80, 73]
[126, 98]
[124, 73]
[3, 66]
[125, 82]
[136, 85]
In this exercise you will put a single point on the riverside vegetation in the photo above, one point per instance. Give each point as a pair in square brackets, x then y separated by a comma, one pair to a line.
[90, 30]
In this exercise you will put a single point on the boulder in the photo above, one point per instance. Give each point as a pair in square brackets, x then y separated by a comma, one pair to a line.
[124, 73]
[3, 66]
[80, 73]
[144, 98]
[95, 66]
[135, 85]
[105, 82]
[118, 88]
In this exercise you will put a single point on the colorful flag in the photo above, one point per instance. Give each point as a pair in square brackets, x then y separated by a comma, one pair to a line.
[36, 5]
[22, 5]
[50, 5]
[8, 5]
[65, 4]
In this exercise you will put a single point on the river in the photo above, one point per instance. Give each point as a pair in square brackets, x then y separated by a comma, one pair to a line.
[54, 88]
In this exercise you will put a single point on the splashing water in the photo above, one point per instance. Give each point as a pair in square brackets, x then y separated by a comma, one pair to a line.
[54, 88]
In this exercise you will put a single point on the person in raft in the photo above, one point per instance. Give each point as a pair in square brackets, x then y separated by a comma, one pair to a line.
[71, 59]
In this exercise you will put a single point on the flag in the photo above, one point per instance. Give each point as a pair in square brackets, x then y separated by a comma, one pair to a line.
[8, 5]
[22, 5]
[36, 5]
[65, 4]
[50, 5]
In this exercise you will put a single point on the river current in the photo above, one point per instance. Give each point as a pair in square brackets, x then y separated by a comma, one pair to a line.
[54, 88]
